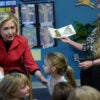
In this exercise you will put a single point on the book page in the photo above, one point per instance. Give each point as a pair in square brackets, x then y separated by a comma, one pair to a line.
[63, 31]
[54, 32]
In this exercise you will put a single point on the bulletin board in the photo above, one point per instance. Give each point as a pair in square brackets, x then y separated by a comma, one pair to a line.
[35, 18]
[9, 6]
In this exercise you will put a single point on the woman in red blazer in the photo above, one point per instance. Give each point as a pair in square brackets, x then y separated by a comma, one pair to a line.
[15, 53]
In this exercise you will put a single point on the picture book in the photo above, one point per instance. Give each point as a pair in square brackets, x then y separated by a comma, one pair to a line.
[65, 31]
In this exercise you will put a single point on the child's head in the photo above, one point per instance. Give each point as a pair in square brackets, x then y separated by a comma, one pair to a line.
[14, 85]
[55, 62]
[61, 91]
[84, 93]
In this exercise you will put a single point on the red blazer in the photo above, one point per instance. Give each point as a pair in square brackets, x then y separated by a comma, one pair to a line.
[18, 56]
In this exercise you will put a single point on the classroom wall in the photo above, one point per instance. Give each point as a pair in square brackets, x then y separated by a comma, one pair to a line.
[66, 12]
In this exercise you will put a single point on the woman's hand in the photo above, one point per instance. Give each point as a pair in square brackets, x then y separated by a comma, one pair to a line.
[1, 74]
[1, 69]
[39, 75]
[65, 39]
[85, 65]
[43, 80]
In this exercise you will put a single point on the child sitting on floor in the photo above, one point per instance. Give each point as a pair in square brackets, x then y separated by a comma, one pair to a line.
[58, 70]
[14, 86]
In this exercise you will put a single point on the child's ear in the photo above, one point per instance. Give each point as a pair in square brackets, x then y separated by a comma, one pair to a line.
[13, 94]
[53, 68]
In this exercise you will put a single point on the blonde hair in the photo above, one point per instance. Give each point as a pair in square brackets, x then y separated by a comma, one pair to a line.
[84, 93]
[70, 76]
[11, 83]
[58, 60]
[6, 17]
[98, 35]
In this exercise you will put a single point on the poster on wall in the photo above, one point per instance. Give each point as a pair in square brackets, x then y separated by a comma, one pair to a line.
[9, 6]
[46, 12]
[30, 33]
[39, 16]
[28, 13]
[98, 4]
[46, 39]
[46, 19]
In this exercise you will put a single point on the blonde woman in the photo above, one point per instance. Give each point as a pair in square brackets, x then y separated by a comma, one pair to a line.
[55, 65]
[84, 93]
[15, 53]
[90, 73]
[14, 86]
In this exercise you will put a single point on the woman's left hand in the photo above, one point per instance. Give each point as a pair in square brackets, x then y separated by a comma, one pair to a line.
[43, 80]
[85, 65]
[39, 75]
[1, 69]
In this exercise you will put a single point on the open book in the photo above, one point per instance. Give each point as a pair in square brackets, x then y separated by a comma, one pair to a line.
[63, 31]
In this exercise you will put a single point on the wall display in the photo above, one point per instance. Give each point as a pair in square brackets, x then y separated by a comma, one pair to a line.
[85, 3]
[8, 6]
[28, 13]
[46, 12]
[46, 19]
[30, 32]
[39, 15]
[45, 37]
[98, 4]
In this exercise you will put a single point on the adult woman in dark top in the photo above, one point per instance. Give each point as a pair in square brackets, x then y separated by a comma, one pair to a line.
[90, 73]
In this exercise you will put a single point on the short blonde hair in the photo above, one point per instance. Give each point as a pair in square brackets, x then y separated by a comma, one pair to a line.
[6, 17]
[84, 93]
[11, 83]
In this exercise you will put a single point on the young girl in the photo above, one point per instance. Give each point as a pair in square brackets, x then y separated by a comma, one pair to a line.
[58, 70]
[14, 86]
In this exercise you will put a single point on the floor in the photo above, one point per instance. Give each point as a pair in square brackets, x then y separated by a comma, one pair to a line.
[41, 94]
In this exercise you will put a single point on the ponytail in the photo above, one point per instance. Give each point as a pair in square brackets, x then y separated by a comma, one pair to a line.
[70, 76]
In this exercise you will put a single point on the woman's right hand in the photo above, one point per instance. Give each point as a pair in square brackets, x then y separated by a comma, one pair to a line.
[65, 39]
[1, 69]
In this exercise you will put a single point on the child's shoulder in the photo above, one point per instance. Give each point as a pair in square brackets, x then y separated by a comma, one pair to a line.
[63, 79]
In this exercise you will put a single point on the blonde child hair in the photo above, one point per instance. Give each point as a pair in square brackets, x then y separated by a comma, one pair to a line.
[56, 59]
[11, 83]
[84, 93]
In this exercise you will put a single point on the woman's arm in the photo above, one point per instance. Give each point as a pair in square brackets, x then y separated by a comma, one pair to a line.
[89, 63]
[96, 62]
[72, 43]
[31, 64]
[39, 75]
